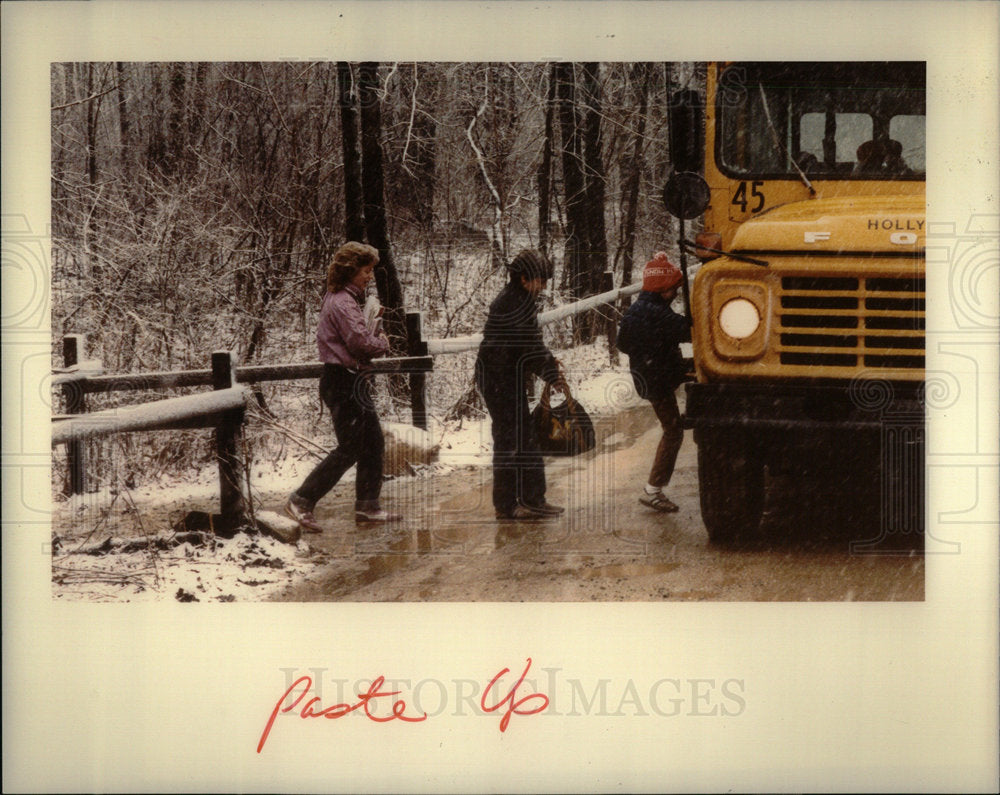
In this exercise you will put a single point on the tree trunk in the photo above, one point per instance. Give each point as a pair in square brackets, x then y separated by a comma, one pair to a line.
[155, 145]
[59, 145]
[373, 186]
[197, 116]
[123, 127]
[499, 243]
[594, 183]
[545, 169]
[640, 82]
[574, 189]
[93, 108]
[419, 158]
[354, 221]
[426, 164]
[176, 133]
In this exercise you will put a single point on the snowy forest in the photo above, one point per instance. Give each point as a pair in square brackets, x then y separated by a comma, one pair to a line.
[195, 206]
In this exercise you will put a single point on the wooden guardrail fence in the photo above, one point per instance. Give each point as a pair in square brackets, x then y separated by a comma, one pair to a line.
[224, 408]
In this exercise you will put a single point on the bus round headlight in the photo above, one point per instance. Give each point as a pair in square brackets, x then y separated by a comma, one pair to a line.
[739, 318]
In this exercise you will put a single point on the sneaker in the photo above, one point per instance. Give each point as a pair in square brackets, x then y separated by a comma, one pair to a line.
[376, 515]
[659, 502]
[303, 516]
[548, 508]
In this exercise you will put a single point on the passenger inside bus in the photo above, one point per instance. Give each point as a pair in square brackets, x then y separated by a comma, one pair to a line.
[881, 157]
[807, 162]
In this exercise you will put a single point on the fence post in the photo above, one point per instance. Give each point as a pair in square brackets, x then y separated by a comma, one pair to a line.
[608, 314]
[416, 346]
[227, 436]
[73, 350]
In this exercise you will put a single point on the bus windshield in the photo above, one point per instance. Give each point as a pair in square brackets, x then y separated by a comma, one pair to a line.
[827, 120]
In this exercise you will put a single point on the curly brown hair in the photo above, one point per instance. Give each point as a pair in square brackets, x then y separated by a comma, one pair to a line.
[349, 259]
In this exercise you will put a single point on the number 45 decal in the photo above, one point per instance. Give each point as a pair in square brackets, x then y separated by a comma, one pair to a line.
[740, 197]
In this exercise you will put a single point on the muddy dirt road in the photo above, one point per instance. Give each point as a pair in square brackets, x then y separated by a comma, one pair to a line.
[606, 547]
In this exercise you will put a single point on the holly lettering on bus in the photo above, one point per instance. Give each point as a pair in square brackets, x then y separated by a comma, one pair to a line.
[897, 224]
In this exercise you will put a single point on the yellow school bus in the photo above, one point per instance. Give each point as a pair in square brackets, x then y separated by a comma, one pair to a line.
[808, 310]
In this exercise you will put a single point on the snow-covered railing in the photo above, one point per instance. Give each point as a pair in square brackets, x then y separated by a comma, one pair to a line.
[249, 374]
[189, 411]
[471, 342]
[78, 372]
[222, 409]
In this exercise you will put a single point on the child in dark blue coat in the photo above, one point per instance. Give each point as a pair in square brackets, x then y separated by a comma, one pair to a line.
[651, 333]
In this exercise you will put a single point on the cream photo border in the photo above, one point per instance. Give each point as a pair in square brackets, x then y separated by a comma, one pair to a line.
[170, 697]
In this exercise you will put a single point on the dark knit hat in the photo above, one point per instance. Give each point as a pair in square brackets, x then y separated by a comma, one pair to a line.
[531, 264]
[660, 274]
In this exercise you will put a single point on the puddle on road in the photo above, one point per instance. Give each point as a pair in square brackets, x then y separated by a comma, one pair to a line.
[373, 559]
[371, 565]
[382, 557]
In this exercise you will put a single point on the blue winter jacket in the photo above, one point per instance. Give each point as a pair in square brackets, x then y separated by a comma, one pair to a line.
[651, 333]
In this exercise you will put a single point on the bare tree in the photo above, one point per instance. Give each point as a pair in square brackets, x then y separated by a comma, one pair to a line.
[354, 223]
[578, 255]
[413, 142]
[124, 123]
[386, 278]
[594, 185]
[545, 168]
[639, 78]
[573, 184]
[496, 198]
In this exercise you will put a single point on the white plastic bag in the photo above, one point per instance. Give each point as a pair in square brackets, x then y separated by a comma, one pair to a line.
[373, 315]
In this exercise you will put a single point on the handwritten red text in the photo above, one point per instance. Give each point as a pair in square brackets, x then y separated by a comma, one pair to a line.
[312, 709]
[513, 703]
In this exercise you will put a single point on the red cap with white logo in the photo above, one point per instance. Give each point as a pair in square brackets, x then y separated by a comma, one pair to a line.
[660, 274]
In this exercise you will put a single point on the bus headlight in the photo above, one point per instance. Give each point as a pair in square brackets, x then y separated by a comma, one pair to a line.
[739, 318]
[739, 312]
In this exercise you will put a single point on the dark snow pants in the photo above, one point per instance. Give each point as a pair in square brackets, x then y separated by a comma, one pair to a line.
[348, 395]
[518, 467]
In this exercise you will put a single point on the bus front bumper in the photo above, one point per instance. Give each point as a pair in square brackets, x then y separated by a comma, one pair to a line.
[861, 406]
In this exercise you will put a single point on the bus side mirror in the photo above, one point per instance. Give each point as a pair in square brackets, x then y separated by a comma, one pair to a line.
[686, 195]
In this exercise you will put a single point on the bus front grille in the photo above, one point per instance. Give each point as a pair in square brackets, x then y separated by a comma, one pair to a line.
[848, 322]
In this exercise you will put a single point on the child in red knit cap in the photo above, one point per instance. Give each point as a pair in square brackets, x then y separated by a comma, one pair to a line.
[651, 333]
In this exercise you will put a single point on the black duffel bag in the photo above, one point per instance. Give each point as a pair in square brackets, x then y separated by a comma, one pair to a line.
[565, 429]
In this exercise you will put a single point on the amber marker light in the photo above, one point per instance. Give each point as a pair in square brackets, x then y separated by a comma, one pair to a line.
[704, 241]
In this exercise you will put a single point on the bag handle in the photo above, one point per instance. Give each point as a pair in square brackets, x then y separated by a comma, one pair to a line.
[546, 398]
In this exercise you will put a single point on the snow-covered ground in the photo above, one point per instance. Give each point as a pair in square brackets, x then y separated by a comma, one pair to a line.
[253, 567]
[247, 567]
